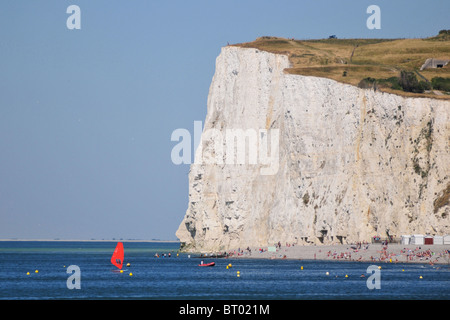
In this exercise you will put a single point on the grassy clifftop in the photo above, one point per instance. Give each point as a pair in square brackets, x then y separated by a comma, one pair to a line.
[352, 60]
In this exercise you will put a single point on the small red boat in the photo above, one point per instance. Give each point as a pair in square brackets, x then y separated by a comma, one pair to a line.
[211, 264]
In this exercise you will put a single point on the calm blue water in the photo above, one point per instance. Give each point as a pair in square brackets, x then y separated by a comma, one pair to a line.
[181, 278]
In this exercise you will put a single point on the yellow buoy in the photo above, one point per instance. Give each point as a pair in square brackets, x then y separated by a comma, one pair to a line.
[403, 269]
[379, 267]
[301, 267]
[128, 264]
[230, 265]
[121, 271]
[420, 277]
[227, 267]
[131, 274]
[36, 271]
[327, 273]
[28, 273]
[346, 276]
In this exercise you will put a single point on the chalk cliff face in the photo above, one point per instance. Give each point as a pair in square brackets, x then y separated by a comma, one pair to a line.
[349, 164]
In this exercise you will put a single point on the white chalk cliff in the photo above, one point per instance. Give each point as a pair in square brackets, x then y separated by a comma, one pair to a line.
[351, 164]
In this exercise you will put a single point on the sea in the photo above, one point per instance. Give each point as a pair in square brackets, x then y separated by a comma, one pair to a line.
[81, 270]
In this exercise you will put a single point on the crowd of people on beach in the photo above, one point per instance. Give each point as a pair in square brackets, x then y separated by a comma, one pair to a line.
[412, 255]
[339, 256]
[347, 255]
[248, 251]
[419, 254]
[360, 251]
[239, 252]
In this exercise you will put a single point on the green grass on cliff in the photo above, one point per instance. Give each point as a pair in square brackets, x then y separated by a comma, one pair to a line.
[352, 60]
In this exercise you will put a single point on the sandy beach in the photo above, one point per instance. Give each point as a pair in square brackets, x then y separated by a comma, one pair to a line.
[391, 253]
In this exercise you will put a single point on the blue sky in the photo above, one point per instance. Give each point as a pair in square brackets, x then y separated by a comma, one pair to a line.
[86, 115]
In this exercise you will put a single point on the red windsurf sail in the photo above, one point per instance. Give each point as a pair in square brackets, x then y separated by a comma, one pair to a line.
[117, 257]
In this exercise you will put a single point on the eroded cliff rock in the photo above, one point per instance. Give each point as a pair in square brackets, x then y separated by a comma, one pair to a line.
[350, 163]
